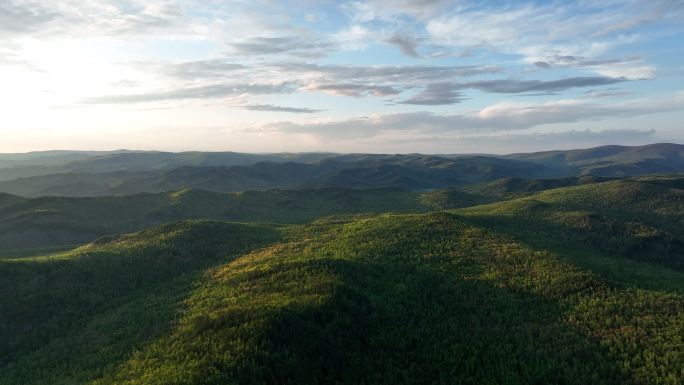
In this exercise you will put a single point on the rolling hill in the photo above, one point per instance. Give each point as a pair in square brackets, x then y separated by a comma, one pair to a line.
[659, 158]
[414, 172]
[596, 203]
[54, 221]
[640, 218]
[515, 187]
[508, 276]
[13, 166]
[376, 299]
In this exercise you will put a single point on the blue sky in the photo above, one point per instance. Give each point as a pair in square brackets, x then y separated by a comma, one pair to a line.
[347, 76]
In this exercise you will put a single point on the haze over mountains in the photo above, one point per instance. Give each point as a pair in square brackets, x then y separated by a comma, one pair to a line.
[67, 173]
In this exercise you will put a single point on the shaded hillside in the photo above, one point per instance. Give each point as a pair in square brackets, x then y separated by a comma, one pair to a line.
[386, 299]
[49, 158]
[452, 198]
[660, 158]
[104, 173]
[73, 184]
[14, 166]
[90, 306]
[641, 219]
[414, 172]
[420, 172]
[516, 187]
[54, 221]
[50, 221]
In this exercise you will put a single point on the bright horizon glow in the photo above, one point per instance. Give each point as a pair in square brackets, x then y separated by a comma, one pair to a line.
[356, 76]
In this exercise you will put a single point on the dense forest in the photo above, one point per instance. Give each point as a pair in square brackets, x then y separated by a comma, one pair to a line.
[572, 280]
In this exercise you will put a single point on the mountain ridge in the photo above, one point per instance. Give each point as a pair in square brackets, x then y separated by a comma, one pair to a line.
[129, 173]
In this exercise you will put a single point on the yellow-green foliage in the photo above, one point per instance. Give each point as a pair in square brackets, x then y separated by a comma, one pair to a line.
[580, 285]
[401, 299]
[641, 219]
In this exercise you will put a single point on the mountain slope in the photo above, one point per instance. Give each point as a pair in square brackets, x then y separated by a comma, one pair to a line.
[51, 221]
[89, 305]
[385, 299]
[13, 166]
[414, 172]
[641, 218]
[659, 158]
[128, 172]
[515, 187]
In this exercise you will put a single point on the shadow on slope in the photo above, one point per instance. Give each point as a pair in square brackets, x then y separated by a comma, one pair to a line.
[630, 231]
[405, 299]
[65, 318]
[397, 299]
[52, 221]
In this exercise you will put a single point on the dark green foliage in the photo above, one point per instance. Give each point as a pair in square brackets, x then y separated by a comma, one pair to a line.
[574, 285]
[612, 161]
[641, 219]
[125, 172]
[413, 172]
[52, 221]
[53, 304]
[41, 163]
[452, 198]
[378, 299]
[516, 187]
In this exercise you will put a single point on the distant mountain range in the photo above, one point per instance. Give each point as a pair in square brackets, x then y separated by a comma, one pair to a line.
[84, 174]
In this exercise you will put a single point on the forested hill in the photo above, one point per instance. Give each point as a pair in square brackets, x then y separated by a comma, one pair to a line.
[641, 219]
[409, 172]
[571, 280]
[377, 299]
[54, 221]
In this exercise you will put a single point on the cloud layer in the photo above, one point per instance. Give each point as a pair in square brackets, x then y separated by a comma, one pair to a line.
[352, 70]
[495, 118]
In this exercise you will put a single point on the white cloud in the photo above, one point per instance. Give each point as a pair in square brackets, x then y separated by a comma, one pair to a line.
[499, 117]
[508, 143]
[633, 71]
[365, 11]
[220, 58]
[355, 37]
[586, 30]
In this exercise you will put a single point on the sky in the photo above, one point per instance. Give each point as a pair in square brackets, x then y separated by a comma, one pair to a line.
[381, 76]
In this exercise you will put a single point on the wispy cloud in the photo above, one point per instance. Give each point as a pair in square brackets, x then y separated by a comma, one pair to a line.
[365, 11]
[387, 73]
[498, 117]
[272, 108]
[299, 46]
[407, 45]
[201, 69]
[204, 92]
[436, 94]
[451, 93]
[527, 142]
[95, 17]
[353, 89]
[568, 33]
[387, 68]
[509, 86]
[18, 17]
